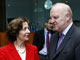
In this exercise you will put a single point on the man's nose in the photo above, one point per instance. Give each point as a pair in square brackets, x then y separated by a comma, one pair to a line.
[53, 21]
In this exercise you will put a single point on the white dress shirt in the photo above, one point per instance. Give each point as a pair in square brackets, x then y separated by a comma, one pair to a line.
[43, 51]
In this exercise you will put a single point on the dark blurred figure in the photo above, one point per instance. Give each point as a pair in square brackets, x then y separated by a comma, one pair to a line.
[42, 39]
[65, 43]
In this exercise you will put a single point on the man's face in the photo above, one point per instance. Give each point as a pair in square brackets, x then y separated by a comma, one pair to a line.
[49, 24]
[59, 19]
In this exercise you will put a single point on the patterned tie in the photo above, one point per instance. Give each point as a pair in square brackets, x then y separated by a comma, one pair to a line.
[47, 40]
[60, 40]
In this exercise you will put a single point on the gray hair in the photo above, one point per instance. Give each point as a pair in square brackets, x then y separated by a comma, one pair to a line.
[64, 6]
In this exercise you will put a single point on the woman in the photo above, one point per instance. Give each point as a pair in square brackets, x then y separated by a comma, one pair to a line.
[18, 49]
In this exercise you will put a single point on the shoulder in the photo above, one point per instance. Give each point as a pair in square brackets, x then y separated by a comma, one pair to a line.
[30, 46]
[6, 47]
[39, 32]
[76, 30]
[42, 30]
[52, 32]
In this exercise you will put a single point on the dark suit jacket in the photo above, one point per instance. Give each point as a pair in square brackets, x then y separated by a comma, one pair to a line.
[70, 47]
[39, 39]
[9, 52]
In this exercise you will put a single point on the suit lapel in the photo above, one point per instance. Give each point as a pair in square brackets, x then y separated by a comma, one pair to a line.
[13, 52]
[42, 34]
[53, 44]
[29, 52]
[42, 37]
[65, 40]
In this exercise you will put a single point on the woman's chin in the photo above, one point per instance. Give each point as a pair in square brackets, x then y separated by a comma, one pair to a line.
[26, 39]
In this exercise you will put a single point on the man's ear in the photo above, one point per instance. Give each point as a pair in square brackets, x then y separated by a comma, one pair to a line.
[68, 16]
[46, 23]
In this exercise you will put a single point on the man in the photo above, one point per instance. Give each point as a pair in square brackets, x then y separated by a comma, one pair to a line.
[69, 46]
[40, 39]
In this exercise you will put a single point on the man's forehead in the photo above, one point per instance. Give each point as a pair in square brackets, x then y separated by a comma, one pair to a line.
[57, 11]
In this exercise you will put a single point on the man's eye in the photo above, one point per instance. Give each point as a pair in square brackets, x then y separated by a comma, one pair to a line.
[55, 17]
[50, 23]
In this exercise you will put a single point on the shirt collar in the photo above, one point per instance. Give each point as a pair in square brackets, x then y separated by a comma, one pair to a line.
[67, 29]
[45, 30]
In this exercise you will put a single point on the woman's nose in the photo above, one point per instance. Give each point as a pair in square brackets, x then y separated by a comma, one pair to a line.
[28, 30]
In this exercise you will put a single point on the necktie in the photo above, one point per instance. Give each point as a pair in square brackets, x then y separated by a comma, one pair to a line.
[47, 40]
[60, 40]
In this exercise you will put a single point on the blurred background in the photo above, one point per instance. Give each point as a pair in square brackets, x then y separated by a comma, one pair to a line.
[34, 10]
[37, 11]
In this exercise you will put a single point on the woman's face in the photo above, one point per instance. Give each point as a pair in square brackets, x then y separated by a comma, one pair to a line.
[24, 32]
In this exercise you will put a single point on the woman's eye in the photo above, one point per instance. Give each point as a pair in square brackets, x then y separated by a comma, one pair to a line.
[25, 28]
